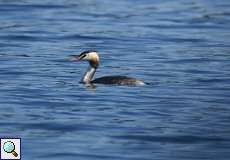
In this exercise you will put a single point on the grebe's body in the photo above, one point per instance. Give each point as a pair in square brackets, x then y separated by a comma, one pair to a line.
[93, 59]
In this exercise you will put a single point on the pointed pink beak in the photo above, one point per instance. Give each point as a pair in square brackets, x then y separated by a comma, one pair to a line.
[74, 58]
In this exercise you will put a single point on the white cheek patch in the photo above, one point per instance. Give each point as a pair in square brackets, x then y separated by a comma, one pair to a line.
[87, 57]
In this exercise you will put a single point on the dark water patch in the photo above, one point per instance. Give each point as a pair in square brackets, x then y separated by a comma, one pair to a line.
[172, 139]
[5, 45]
[213, 80]
[110, 16]
[88, 156]
[34, 32]
[199, 71]
[66, 19]
[65, 127]
[29, 7]
[53, 126]
[189, 26]
[23, 38]
[88, 37]
[13, 72]
[5, 27]
[195, 60]
[14, 55]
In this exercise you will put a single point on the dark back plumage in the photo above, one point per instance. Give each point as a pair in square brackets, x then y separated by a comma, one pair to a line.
[120, 80]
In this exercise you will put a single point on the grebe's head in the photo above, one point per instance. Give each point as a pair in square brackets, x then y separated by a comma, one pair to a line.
[90, 55]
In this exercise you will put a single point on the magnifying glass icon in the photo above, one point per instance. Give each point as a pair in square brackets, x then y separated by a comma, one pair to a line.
[9, 147]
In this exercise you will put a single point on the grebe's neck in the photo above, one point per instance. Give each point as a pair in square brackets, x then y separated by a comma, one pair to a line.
[89, 74]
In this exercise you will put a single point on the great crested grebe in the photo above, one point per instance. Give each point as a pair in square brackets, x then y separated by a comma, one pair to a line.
[93, 58]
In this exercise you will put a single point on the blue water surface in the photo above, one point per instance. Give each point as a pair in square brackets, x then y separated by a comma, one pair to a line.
[181, 48]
